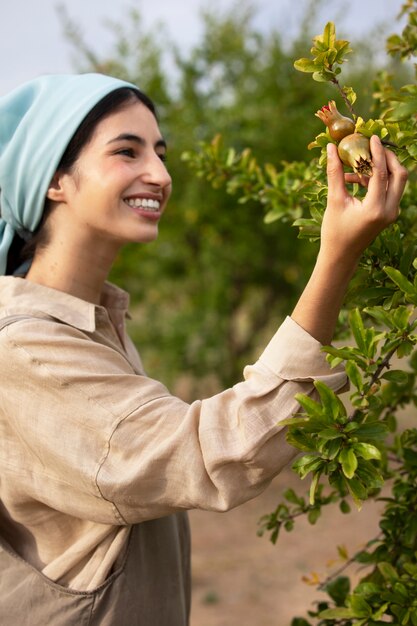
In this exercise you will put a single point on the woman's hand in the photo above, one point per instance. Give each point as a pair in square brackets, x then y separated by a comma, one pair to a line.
[350, 224]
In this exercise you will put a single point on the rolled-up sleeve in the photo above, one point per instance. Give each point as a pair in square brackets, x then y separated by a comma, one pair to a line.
[221, 451]
[120, 448]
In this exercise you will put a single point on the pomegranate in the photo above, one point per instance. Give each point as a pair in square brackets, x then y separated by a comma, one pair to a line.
[354, 151]
[338, 125]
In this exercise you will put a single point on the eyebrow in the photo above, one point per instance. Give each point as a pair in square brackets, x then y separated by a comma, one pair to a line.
[161, 143]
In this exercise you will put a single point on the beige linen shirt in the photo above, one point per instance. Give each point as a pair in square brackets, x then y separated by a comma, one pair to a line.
[90, 445]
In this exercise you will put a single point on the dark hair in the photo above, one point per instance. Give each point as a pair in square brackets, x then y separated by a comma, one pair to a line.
[115, 100]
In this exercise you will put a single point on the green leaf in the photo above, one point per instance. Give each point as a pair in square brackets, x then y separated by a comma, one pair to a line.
[404, 349]
[400, 280]
[310, 406]
[313, 515]
[357, 490]
[360, 606]
[305, 65]
[339, 613]
[371, 430]
[358, 329]
[313, 487]
[338, 589]
[344, 507]
[345, 353]
[369, 475]
[367, 589]
[231, 155]
[301, 440]
[411, 568]
[380, 612]
[292, 497]
[401, 317]
[388, 572]
[329, 399]
[403, 111]
[294, 421]
[349, 462]
[396, 376]
[330, 433]
[307, 463]
[349, 93]
[320, 77]
[367, 451]
[331, 448]
[401, 590]
[354, 374]
[329, 35]
[378, 313]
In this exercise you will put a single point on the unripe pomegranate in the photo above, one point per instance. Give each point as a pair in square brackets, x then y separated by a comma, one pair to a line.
[354, 152]
[338, 125]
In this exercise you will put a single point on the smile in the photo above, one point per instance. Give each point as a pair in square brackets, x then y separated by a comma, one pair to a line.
[143, 203]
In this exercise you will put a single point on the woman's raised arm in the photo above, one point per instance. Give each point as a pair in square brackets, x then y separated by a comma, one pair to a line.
[349, 226]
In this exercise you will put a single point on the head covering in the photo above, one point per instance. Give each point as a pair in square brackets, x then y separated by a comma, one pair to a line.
[37, 122]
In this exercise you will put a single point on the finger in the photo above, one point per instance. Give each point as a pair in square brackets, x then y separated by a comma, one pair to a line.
[335, 176]
[397, 180]
[356, 178]
[377, 189]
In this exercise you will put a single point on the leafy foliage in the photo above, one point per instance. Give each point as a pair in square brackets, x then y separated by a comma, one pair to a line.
[347, 452]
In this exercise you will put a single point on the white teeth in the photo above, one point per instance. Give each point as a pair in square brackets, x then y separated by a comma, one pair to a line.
[143, 203]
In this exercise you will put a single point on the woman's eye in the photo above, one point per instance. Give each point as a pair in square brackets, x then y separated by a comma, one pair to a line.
[127, 152]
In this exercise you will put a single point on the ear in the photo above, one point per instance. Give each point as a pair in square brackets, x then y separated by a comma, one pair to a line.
[55, 191]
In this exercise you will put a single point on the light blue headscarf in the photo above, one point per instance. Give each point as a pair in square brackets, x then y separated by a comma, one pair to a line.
[37, 122]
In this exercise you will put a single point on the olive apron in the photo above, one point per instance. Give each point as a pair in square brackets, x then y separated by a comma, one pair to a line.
[150, 587]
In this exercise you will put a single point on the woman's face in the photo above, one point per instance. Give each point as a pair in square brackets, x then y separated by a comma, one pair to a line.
[119, 186]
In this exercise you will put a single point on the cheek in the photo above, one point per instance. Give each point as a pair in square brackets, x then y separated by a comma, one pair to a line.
[116, 175]
[168, 191]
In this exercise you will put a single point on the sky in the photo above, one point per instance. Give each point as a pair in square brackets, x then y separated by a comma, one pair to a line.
[32, 40]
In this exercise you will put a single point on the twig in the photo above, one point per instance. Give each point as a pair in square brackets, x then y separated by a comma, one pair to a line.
[384, 364]
[344, 96]
[342, 568]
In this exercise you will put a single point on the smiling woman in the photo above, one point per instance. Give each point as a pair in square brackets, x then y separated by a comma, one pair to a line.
[102, 201]
[116, 158]
[98, 462]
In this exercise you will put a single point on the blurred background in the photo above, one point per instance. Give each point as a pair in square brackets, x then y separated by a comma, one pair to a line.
[210, 292]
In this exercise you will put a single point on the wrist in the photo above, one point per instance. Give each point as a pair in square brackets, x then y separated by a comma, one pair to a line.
[339, 263]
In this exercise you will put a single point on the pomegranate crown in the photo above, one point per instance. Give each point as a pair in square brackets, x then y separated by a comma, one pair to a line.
[328, 113]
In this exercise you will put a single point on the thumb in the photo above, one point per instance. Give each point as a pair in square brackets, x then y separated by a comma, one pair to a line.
[335, 175]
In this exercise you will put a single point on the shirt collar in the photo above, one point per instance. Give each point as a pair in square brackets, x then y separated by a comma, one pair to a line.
[20, 296]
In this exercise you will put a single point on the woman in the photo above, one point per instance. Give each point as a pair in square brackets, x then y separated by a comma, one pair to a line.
[98, 462]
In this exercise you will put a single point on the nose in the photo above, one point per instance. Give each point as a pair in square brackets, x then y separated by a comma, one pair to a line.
[156, 172]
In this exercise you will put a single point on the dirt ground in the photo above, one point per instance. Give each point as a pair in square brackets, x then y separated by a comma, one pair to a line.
[240, 579]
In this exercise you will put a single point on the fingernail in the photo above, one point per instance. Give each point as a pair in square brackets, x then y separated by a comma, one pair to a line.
[329, 149]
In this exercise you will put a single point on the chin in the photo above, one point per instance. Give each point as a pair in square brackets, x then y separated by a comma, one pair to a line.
[146, 237]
